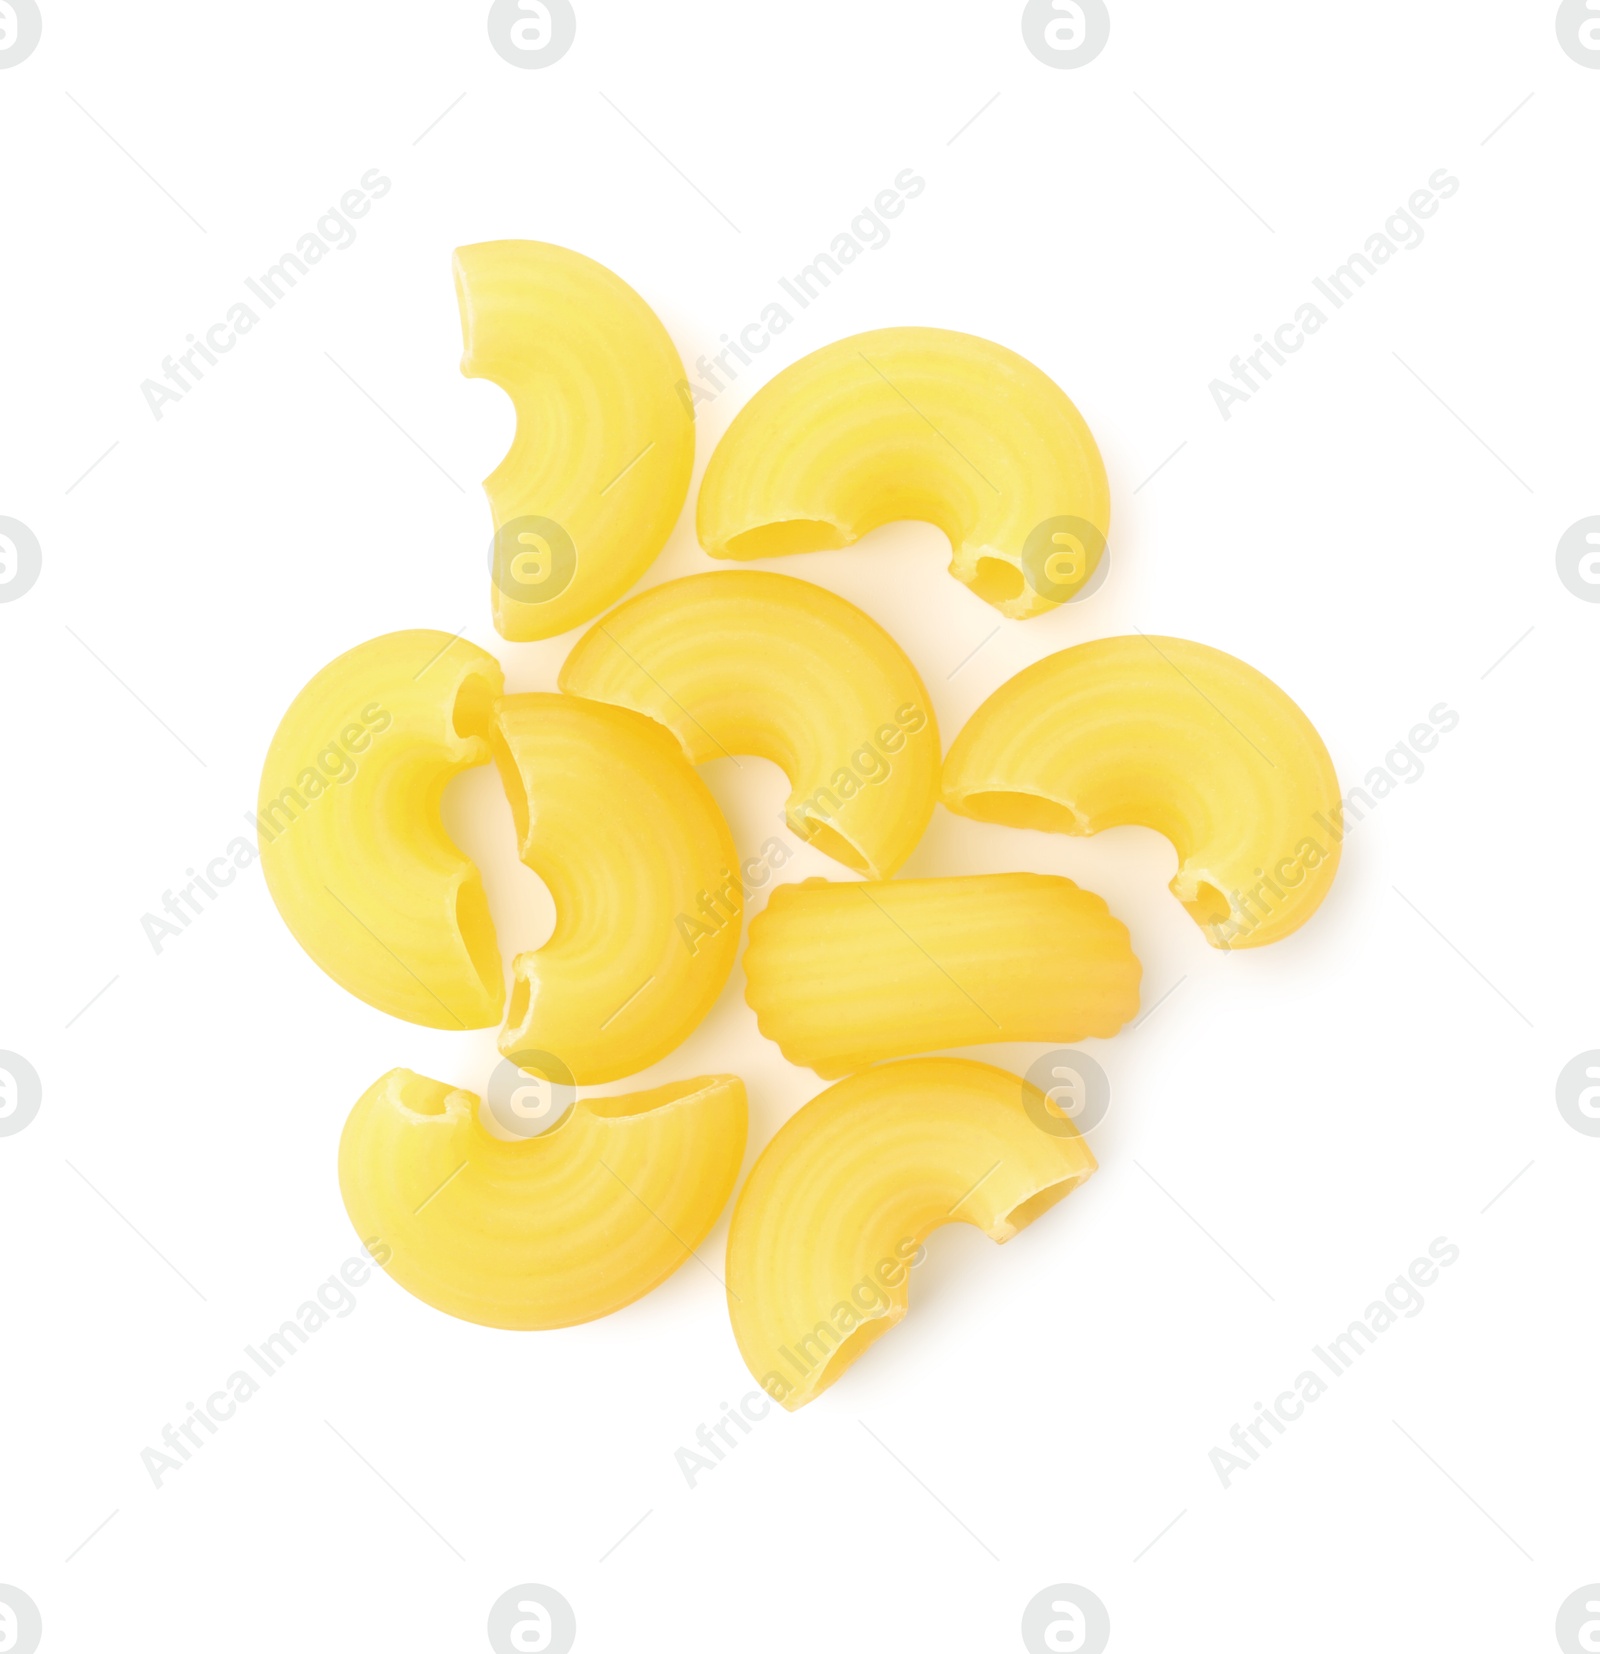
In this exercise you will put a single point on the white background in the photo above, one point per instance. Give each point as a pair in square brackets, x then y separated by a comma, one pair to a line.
[1289, 1129]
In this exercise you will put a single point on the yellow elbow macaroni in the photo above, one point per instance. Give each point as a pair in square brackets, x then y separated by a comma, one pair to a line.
[1172, 735]
[922, 423]
[354, 853]
[842, 975]
[835, 1211]
[550, 1230]
[599, 468]
[745, 662]
[627, 838]
[848, 978]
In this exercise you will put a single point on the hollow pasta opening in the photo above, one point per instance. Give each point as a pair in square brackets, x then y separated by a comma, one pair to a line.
[633, 1103]
[521, 1003]
[997, 581]
[476, 926]
[1208, 906]
[854, 1346]
[474, 706]
[1015, 809]
[419, 1095]
[1019, 1217]
[782, 539]
[833, 843]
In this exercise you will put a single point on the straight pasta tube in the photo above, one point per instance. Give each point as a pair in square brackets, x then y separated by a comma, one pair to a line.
[843, 975]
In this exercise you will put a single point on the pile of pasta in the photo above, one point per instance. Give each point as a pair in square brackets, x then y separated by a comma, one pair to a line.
[579, 1204]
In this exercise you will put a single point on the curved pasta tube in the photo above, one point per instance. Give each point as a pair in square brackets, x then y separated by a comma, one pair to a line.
[758, 663]
[842, 975]
[551, 1230]
[352, 846]
[599, 467]
[835, 1211]
[1171, 735]
[917, 422]
[636, 855]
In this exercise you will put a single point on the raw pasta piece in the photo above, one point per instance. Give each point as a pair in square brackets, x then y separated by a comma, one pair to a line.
[917, 422]
[747, 662]
[842, 975]
[1176, 736]
[834, 1213]
[636, 854]
[599, 467]
[352, 846]
[550, 1230]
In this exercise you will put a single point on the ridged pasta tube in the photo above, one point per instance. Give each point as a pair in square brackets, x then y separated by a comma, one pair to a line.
[834, 1213]
[923, 423]
[842, 975]
[629, 841]
[599, 467]
[551, 1230]
[1163, 733]
[352, 846]
[747, 662]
